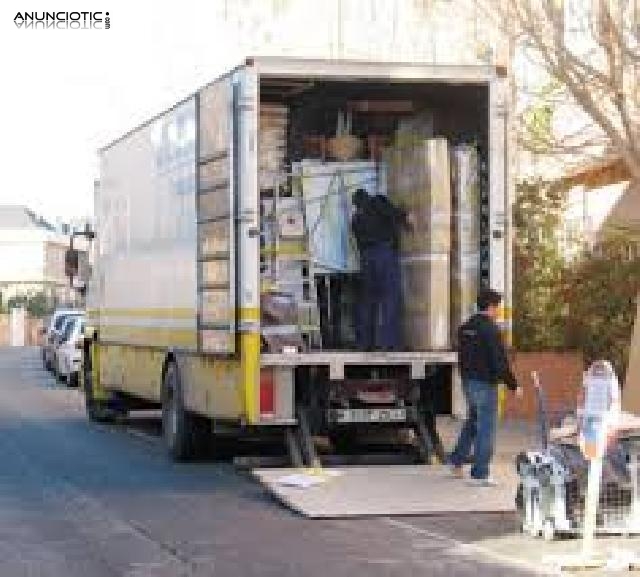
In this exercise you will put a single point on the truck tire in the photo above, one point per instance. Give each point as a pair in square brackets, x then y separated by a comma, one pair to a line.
[184, 433]
[72, 380]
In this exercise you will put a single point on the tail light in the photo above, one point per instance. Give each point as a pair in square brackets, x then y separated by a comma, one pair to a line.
[267, 393]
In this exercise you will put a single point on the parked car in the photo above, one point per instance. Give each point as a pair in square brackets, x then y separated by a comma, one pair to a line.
[52, 332]
[67, 354]
[58, 337]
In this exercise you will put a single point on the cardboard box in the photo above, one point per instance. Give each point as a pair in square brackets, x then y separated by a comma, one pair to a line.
[419, 180]
[465, 281]
[465, 199]
[425, 303]
[465, 255]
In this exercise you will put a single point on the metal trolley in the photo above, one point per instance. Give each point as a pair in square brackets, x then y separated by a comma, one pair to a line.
[550, 498]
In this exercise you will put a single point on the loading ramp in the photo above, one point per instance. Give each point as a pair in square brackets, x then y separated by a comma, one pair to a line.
[395, 490]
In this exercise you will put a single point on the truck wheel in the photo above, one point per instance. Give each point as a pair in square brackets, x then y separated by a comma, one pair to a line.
[184, 433]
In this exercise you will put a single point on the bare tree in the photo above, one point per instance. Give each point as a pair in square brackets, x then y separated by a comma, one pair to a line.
[590, 50]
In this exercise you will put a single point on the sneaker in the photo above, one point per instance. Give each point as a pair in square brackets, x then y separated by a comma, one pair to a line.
[456, 471]
[486, 482]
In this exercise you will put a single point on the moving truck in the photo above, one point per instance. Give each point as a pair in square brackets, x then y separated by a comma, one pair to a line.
[178, 296]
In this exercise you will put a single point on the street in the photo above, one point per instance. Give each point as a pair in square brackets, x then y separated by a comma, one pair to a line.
[79, 499]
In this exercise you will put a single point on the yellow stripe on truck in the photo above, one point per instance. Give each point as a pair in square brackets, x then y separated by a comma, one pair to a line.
[250, 363]
[153, 336]
[250, 371]
[146, 313]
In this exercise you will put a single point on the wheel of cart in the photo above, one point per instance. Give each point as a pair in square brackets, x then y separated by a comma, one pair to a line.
[550, 498]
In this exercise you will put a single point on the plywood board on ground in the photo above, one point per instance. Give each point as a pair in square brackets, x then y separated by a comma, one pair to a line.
[389, 490]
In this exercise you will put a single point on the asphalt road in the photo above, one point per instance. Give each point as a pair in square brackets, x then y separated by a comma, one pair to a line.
[83, 500]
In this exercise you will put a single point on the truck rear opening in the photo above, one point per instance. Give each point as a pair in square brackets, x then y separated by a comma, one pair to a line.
[228, 285]
[301, 165]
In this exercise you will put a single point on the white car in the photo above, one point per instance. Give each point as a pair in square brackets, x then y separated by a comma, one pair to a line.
[52, 333]
[67, 354]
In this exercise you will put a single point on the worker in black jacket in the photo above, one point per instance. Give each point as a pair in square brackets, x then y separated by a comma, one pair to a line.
[376, 226]
[483, 365]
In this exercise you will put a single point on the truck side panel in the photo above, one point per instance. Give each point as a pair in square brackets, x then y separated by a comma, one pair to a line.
[147, 234]
[210, 385]
[134, 370]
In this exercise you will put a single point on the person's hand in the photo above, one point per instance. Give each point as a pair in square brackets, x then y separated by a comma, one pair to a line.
[519, 392]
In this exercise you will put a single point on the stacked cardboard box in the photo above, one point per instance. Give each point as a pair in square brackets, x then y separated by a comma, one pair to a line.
[465, 269]
[272, 143]
[419, 181]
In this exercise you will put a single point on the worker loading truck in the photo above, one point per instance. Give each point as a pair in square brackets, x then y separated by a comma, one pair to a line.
[227, 281]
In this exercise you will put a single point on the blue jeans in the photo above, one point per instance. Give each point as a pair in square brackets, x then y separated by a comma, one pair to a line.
[378, 311]
[479, 430]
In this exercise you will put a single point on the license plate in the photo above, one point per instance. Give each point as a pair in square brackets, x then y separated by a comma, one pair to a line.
[377, 397]
[369, 415]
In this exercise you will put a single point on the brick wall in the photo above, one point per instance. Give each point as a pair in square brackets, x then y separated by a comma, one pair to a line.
[560, 376]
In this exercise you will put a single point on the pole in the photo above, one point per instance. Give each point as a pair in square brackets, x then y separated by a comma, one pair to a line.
[593, 490]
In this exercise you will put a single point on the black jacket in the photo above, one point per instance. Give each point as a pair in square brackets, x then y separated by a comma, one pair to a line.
[377, 221]
[482, 353]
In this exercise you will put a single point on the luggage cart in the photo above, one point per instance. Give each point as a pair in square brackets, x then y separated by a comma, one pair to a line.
[551, 494]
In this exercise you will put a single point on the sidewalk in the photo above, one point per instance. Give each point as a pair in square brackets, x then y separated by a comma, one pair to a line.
[513, 437]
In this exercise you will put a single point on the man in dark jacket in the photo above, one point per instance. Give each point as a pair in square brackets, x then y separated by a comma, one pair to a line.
[376, 227]
[483, 365]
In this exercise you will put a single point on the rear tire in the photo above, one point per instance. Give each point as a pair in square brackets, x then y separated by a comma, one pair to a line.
[184, 433]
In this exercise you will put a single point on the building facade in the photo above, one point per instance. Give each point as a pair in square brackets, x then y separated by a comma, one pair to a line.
[32, 253]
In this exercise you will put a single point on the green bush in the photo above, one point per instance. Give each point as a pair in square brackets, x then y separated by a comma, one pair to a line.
[37, 305]
[601, 291]
[540, 271]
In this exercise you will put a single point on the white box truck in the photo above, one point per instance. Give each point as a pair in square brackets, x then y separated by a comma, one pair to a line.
[174, 303]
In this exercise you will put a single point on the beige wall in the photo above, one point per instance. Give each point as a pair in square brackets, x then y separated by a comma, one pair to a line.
[32, 334]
